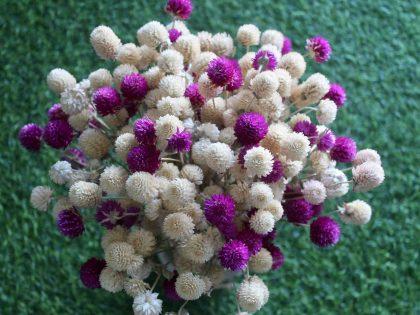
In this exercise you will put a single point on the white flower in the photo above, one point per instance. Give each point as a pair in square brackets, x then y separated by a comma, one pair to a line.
[61, 172]
[147, 303]
[210, 131]
[75, 100]
[41, 197]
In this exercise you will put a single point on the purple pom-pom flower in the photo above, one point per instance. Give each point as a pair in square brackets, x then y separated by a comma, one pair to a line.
[337, 94]
[196, 99]
[317, 209]
[56, 112]
[58, 134]
[144, 131]
[90, 272]
[220, 71]
[276, 253]
[252, 240]
[325, 232]
[169, 289]
[326, 141]
[264, 59]
[174, 34]
[287, 46]
[180, 8]
[109, 213]
[237, 79]
[180, 141]
[234, 255]
[107, 100]
[276, 173]
[250, 128]
[344, 150]
[243, 151]
[319, 48]
[308, 129]
[219, 209]
[134, 86]
[144, 158]
[298, 211]
[30, 137]
[70, 223]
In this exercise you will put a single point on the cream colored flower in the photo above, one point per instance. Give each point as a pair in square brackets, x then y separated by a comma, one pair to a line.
[41, 197]
[222, 44]
[294, 63]
[272, 37]
[356, 212]
[113, 179]
[367, 176]
[260, 195]
[178, 226]
[105, 42]
[59, 80]
[111, 280]
[248, 35]
[264, 84]
[219, 157]
[94, 143]
[261, 262]
[262, 221]
[152, 34]
[258, 161]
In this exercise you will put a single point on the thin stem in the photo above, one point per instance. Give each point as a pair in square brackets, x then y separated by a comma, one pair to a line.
[156, 281]
[181, 157]
[171, 160]
[182, 307]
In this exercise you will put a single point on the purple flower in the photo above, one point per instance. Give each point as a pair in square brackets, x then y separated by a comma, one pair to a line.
[90, 272]
[70, 223]
[58, 134]
[243, 151]
[237, 79]
[130, 217]
[270, 236]
[319, 48]
[144, 130]
[75, 157]
[219, 209]
[174, 34]
[326, 141]
[180, 141]
[107, 100]
[317, 209]
[196, 99]
[278, 257]
[131, 106]
[109, 213]
[56, 112]
[30, 137]
[250, 128]
[252, 240]
[287, 46]
[344, 150]
[180, 8]
[220, 71]
[134, 86]
[276, 173]
[234, 255]
[308, 129]
[265, 59]
[228, 230]
[298, 211]
[337, 94]
[144, 158]
[169, 289]
[325, 232]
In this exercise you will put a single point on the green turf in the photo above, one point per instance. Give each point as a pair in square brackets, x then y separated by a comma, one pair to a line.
[374, 268]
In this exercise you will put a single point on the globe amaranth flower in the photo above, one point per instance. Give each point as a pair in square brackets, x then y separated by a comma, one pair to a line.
[144, 158]
[298, 211]
[220, 71]
[276, 173]
[147, 303]
[344, 150]
[180, 8]
[219, 209]
[30, 137]
[109, 213]
[319, 48]
[169, 289]
[337, 94]
[276, 254]
[308, 129]
[251, 239]
[107, 100]
[243, 151]
[237, 79]
[174, 34]
[234, 255]
[58, 134]
[90, 272]
[180, 141]
[144, 130]
[250, 128]
[193, 93]
[264, 59]
[134, 86]
[317, 209]
[325, 232]
[56, 112]
[70, 223]
[228, 230]
[326, 141]
[287, 46]
[129, 217]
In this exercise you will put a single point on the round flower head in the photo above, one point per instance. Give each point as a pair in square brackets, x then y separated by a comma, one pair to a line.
[198, 249]
[344, 150]
[143, 241]
[124, 143]
[70, 223]
[193, 173]
[251, 239]
[109, 213]
[206, 88]
[113, 179]
[144, 131]
[248, 35]
[250, 295]
[144, 158]
[59, 80]
[111, 280]
[326, 141]
[356, 212]
[258, 161]
[314, 192]
[94, 143]
[60, 172]
[319, 48]
[105, 42]
[337, 94]
[336, 183]
[129, 54]
[193, 94]
[276, 173]
[260, 195]
[180, 8]
[219, 209]
[58, 134]
[220, 71]
[261, 262]
[75, 100]
[264, 84]
[326, 112]
[324, 232]
[171, 61]
[30, 137]
[367, 176]
[56, 112]
[134, 86]
[107, 100]
[276, 254]
[189, 287]
[234, 255]
[219, 157]
[168, 170]
[41, 197]
[287, 46]
[169, 289]
[298, 211]
[237, 79]
[262, 222]
[85, 195]
[99, 78]
[178, 226]
[222, 44]
[152, 34]
[294, 63]
[119, 256]
[250, 128]
[366, 155]
[180, 141]
[311, 91]
[174, 34]
[90, 271]
[308, 129]
[272, 37]
[147, 303]
[265, 60]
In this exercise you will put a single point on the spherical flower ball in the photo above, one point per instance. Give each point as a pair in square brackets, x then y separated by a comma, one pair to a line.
[60, 172]
[180, 8]
[234, 255]
[311, 91]
[152, 34]
[178, 226]
[261, 262]
[326, 141]
[107, 100]
[144, 131]
[222, 44]
[111, 280]
[367, 176]
[260, 195]
[206, 87]
[295, 147]
[337, 94]
[264, 84]
[308, 129]
[264, 59]
[294, 63]
[142, 187]
[287, 45]
[250, 296]
[276, 254]
[147, 303]
[189, 286]
[262, 222]
[212, 111]
[105, 42]
[298, 211]
[220, 71]
[324, 232]
[166, 126]
[179, 192]
[84, 194]
[356, 212]
[90, 271]
[319, 49]
[366, 155]
[30, 137]
[193, 173]
[193, 94]
[80, 121]
[124, 143]
[112, 179]
[219, 157]
[109, 213]
[276, 173]
[41, 197]
[326, 112]
[276, 132]
[70, 223]
[59, 80]
[56, 112]
[314, 192]
[143, 241]
[344, 150]
[143, 158]
[248, 35]
[119, 255]
[99, 78]
[76, 99]
[189, 46]
[168, 170]
[336, 183]
[134, 86]
[250, 128]
[275, 208]
[171, 61]
[148, 55]
[129, 54]
[58, 134]
[180, 141]
[198, 249]
[219, 209]
[251, 239]
[94, 143]
[258, 161]
[200, 64]
[237, 79]
[174, 34]
[121, 71]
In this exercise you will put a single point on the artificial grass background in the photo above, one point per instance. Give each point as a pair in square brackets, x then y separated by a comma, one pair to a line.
[374, 268]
